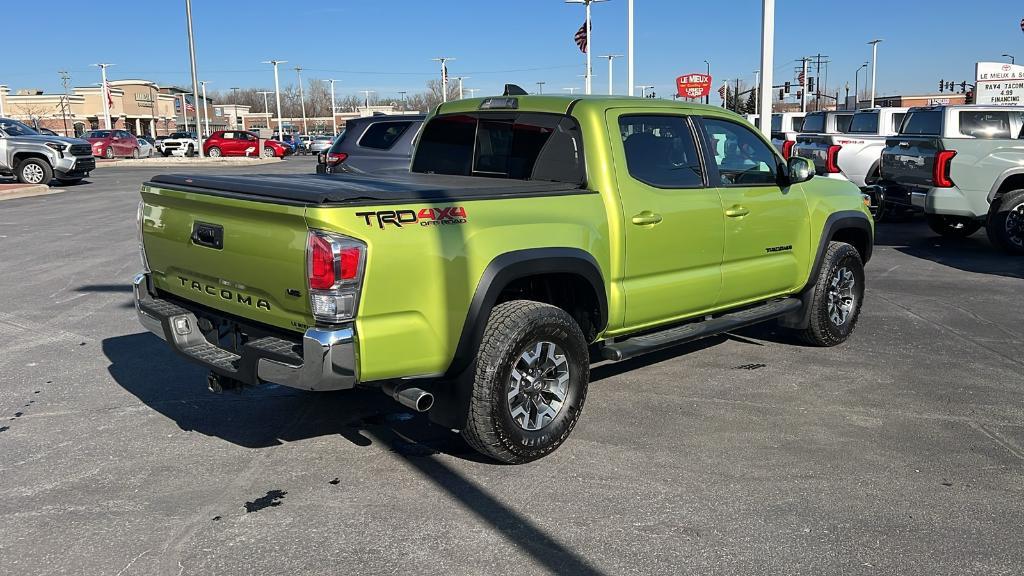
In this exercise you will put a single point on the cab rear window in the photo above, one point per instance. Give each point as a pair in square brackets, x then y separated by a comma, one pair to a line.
[517, 146]
[864, 123]
[922, 122]
[814, 123]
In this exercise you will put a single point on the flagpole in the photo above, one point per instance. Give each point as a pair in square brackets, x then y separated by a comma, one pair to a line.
[629, 42]
[590, 47]
[105, 94]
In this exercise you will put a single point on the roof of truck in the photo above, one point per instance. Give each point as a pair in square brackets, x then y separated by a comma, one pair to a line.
[563, 103]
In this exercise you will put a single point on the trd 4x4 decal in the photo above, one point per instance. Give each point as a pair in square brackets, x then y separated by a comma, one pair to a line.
[423, 216]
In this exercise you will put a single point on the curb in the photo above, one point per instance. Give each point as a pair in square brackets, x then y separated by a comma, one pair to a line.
[12, 191]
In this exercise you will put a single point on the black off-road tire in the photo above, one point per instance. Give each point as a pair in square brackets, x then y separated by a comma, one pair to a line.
[952, 226]
[513, 328]
[1005, 225]
[33, 171]
[822, 329]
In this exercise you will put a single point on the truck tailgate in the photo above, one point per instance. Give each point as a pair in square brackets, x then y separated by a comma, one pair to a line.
[910, 160]
[815, 148]
[242, 257]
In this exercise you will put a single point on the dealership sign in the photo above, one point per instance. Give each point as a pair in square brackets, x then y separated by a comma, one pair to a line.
[693, 85]
[999, 83]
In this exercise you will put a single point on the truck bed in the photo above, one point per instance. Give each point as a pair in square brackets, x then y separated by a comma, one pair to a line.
[359, 189]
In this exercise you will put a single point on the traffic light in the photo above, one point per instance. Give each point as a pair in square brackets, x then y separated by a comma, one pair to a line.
[782, 94]
[942, 84]
[787, 87]
[969, 97]
[800, 95]
[810, 84]
[963, 87]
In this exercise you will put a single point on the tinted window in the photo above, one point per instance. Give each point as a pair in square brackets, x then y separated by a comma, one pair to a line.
[897, 121]
[928, 122]
[981, 124]
[864, 123]
[843, 122]
[383, 135]
[776, 122]
[516, 146]
[798, 124]
[814, 123]
[743, 159]
[97, 134]
[660, 151]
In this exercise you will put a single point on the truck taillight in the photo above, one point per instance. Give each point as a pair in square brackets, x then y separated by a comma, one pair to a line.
[943, 160]
[335, 158]
[335, 274]
[787, 148]
[831, 159]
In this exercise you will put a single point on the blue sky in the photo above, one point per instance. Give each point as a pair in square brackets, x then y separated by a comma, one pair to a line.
[388, 46]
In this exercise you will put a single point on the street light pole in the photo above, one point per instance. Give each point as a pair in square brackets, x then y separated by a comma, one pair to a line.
[460, 79]
[856, 86]
[302, 101]
[195, 78]
[629, 46]
[707, 99]
[874, 68]
[767, 65]
[643, 90]
[277, 96]
[611, 84]
[64, 104]
[206, 111]
[1010, 56]
[444, 75]
[105, 91]
[334, 121]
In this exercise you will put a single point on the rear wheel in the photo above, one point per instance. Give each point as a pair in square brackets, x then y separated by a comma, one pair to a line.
[191, 151]
[1005, 226]
[952, 226]
[531, 381]
[269, 152]
[837, 297]
[109, 154]
[213, 152]
[34, 171]
[136, 153]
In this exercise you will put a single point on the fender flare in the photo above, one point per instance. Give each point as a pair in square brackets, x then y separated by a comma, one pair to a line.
[510, 266]
[1002, 178]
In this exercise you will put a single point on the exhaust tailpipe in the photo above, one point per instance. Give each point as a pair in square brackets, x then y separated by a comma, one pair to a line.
[415, 398]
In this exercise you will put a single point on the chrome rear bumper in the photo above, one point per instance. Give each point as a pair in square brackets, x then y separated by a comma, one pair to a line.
[322, 360]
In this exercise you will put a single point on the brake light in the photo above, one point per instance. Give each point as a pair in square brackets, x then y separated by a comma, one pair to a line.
[943, 160]
[335, 266]
[831, 164]
[787, 148]
[335, 158]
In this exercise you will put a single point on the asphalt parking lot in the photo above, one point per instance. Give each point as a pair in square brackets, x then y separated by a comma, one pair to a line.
[901, 452]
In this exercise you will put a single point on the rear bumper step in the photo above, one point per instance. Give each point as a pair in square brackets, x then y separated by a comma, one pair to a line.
[327, 361]
[637, 345]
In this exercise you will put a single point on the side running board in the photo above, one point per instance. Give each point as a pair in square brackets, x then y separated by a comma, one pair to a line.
[696, 330]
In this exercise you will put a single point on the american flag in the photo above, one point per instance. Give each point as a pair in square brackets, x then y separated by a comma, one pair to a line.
[110, 99]
[581, 38]
[1022, 24]
[721, 92]
[800, 78]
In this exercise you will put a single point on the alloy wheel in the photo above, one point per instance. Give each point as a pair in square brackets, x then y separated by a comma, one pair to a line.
[840, 296]
[538, 385]
[32, 173]
[1015, 225]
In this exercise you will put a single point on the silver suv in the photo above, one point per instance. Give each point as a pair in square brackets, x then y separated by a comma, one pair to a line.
[34, 158]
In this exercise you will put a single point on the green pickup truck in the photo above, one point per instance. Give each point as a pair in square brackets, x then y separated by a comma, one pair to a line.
[532, 236]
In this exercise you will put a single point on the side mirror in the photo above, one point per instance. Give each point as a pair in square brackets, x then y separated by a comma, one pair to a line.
[800, 169]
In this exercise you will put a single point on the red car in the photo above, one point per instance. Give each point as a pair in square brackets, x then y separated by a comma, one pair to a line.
[240, 143]
[112, 143]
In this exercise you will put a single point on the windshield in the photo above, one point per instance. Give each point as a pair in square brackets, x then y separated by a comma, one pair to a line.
[15, 128]
[864, 123]
[97, 134]
[181, 135]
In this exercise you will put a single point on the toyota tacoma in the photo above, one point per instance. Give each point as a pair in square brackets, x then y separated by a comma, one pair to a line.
[531, 236]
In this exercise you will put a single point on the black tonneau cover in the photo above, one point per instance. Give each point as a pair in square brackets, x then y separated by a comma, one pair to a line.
[354, 189]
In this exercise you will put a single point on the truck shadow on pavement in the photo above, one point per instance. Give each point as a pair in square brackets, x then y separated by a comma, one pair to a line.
[266, 416]
[972, 254]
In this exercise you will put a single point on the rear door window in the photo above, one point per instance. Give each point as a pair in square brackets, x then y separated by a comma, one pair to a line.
[923, 122]
[523, 146]
[985, 124]
[383, 135]
[660, 151]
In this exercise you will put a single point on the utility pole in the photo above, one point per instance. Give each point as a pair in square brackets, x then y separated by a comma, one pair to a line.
[195, 78]
[234, 94]
[707, 99]
[540, 87]
[803, 84]
[334, 110]
[629, 46]
[817, 82]
[403, 93]
[444, 75]
[277, 95]
[105, 91]
[64, 79]
[206, 111]
[302, 101]
[736, 97]
[874, 67]
[611, 84]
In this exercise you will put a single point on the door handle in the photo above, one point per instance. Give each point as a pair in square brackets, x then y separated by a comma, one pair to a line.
[646, 218]
[737, 211]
